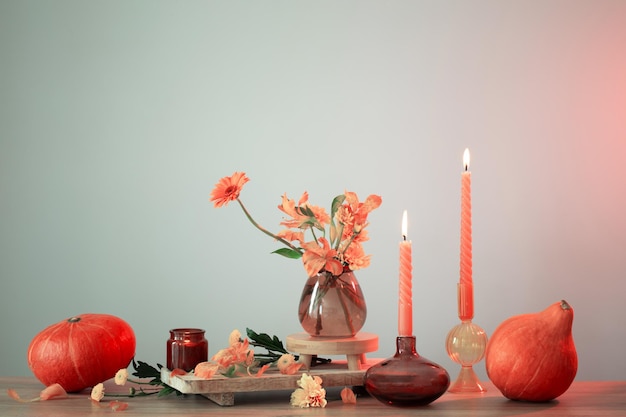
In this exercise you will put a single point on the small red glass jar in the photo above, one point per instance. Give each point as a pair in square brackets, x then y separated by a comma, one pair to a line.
[186, 348]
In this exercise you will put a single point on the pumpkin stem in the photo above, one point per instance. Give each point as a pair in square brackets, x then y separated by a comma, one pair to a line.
[565, 305]
[73, 320]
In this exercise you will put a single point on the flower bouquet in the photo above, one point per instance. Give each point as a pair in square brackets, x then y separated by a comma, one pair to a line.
[329, 255]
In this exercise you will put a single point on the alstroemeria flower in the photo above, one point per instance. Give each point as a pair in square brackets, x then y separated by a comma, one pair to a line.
[372, 202]
[228, 189]
[358, 212]
[291, 236]
[238, 353]
[310, 393]
[121, 376]
[317, 258]
[300, 219]
[97, 392]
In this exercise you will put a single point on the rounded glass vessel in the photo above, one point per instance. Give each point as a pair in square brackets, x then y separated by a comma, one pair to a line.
[406, 379]
[332, 305]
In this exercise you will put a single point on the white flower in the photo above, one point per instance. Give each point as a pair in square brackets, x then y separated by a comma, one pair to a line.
[121, 376]
[97, 392]
[310, 393]
[234, 337]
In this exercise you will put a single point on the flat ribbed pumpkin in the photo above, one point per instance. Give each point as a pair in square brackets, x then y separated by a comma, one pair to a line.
[81, 351]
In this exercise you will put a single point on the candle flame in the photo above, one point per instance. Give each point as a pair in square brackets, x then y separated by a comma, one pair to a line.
[404, 225]
[466, 159]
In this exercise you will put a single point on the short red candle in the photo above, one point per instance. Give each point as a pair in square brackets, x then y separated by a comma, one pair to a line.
[405, 304]
[186, 348]
[466, 286]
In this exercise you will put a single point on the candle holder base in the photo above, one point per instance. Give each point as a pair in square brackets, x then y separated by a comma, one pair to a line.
[467, 381]
[466, 344]
[406, 379]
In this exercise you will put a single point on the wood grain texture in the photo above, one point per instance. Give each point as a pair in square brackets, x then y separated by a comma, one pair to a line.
[583, 399]
[354, 348]
[360, 343]
[221, 389]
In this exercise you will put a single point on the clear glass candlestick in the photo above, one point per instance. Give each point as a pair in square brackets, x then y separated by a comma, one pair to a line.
[466, 344]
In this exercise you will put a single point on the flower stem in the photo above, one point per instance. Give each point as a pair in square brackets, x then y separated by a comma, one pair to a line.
[346, 313]
[262, 229]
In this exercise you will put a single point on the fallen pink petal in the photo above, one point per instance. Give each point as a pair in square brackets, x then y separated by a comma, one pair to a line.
[118, 405]
[262, 370]
[53, 391]
[13, 394]
[347, 396]
[178, 372]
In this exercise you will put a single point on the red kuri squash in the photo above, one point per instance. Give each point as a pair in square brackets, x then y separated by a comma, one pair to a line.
[532, 357]
[81, 351]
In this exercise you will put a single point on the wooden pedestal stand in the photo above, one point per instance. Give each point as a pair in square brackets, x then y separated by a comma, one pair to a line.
[354, 348]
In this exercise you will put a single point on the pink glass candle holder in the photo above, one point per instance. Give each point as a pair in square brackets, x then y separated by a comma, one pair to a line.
[406, 379]
[186, 348]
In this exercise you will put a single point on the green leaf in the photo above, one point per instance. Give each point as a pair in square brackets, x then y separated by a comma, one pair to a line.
[143, 370]
[167, 390]
[288, 253]
[337, 202]
[231, 372]
[272, 344]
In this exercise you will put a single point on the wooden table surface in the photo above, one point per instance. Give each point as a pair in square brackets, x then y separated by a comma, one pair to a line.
[595, 399]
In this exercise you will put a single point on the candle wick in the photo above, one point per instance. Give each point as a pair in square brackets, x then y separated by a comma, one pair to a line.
[404, 237]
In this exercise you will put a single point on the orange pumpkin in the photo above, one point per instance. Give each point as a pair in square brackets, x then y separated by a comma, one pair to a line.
[532, 357]
[81, 351]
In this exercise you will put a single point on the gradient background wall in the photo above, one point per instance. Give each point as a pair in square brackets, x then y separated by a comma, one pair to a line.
[118, 117]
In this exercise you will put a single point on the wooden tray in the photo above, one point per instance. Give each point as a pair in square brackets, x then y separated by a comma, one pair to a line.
[222, 390]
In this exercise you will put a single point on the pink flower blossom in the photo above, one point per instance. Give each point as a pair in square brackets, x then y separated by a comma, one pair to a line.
[53, 391]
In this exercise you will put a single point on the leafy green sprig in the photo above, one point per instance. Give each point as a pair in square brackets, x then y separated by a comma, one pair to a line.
[275, 348]
[146, 371]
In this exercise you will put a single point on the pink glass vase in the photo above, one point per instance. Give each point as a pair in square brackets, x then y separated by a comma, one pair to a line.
[332, 305]
[406, 379]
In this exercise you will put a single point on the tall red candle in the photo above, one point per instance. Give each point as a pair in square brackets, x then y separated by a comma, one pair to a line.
[405, 304]
[466, 286]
